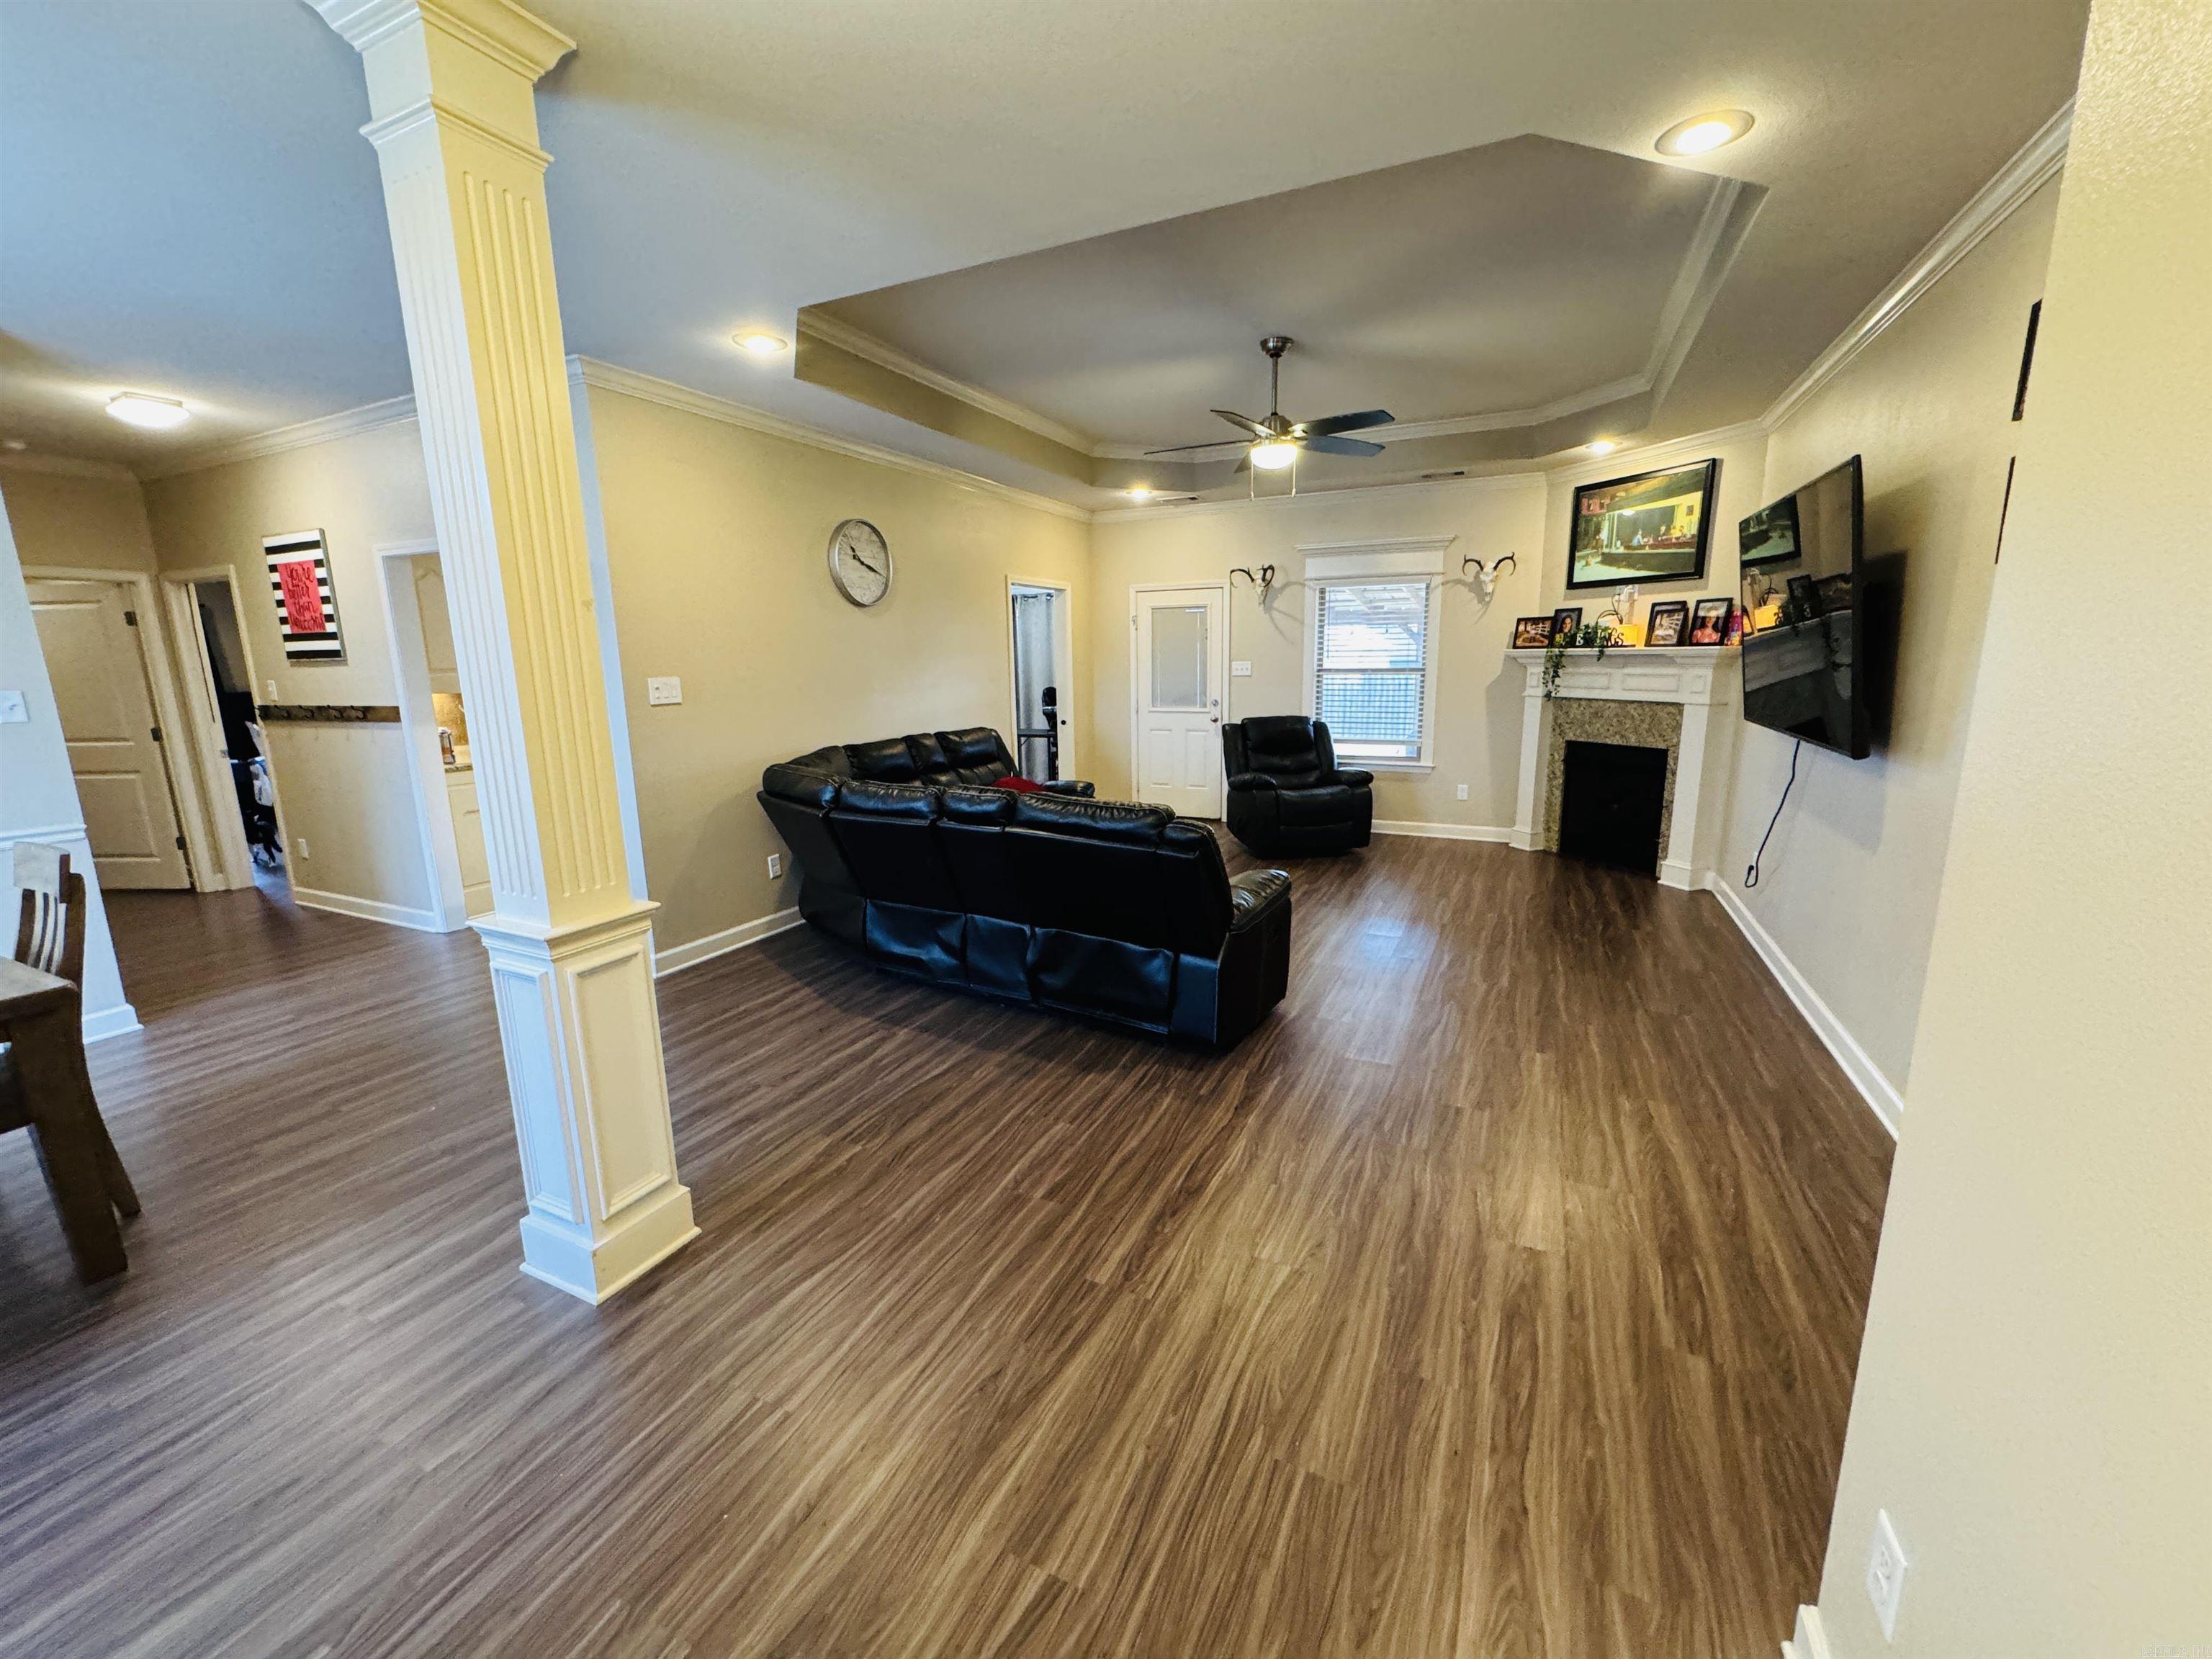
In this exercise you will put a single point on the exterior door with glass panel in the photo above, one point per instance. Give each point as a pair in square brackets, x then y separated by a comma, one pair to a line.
[1183, 662]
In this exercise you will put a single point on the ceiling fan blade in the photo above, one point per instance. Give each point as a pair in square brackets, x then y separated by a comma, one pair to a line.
[1218, 443]
[1257, 428]
[1342, 447]
[1356, 423]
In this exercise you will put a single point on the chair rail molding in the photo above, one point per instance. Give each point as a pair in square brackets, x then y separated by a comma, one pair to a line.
[451, 90]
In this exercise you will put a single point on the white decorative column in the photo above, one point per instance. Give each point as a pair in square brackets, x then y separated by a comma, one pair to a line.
[452, 86]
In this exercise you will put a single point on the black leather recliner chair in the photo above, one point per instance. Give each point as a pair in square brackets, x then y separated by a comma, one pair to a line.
[1287, 795]
[1118, 913]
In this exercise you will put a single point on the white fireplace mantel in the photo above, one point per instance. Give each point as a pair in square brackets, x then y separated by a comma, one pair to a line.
[1702, 679]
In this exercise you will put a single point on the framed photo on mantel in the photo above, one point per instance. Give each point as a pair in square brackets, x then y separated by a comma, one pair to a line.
[1652, 527]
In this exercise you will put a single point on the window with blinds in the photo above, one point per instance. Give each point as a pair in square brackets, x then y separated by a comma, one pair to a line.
[1370, 667]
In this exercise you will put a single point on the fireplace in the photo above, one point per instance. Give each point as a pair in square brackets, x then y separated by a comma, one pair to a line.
[1612, 802]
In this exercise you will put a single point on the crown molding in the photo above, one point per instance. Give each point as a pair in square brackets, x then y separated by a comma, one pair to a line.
[67, 466]
[1179, 510]
[325, 428]
[1706, 265]
[500, 29]
[2034, 165]
[608, 377]
[867, 347]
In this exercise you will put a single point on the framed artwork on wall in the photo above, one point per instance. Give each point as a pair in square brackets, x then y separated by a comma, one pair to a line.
[1651, 527]
[1669, 621]
[1531, 633]
[307, 606]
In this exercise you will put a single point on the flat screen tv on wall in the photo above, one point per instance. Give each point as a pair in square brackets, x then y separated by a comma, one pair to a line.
[1805, 598]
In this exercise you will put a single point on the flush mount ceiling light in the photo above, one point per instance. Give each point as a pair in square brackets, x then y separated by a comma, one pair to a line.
[138, 409]
[759, 343]
[1701, 133]
[1274, 455]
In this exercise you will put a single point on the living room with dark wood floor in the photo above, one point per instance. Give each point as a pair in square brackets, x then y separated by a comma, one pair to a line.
[1127, 829]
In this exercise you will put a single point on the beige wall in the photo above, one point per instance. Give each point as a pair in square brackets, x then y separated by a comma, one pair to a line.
[2035, 1398]
[1848, 886]
[342, 791]
[716, 538]
[1478, 692]
[91, 521]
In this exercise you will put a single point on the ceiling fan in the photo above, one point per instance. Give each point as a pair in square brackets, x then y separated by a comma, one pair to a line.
[1275, 442]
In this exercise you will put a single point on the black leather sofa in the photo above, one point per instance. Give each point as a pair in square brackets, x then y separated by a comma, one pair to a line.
[1287, 795]
[1116, 912]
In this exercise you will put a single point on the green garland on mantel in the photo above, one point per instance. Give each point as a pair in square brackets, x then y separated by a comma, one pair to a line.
[1587, 637]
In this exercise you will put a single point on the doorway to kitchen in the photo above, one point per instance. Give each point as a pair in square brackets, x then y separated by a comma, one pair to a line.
[1043, 677]
[435, 722]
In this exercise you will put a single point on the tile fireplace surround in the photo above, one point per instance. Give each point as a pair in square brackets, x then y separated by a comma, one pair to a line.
[1681, 699]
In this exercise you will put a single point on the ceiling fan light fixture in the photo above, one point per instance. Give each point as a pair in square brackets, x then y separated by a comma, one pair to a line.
[1703, 133]
[1273, 454]
[141, 409]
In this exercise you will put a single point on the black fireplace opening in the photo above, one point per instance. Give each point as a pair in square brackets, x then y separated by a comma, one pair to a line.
[1611, 798]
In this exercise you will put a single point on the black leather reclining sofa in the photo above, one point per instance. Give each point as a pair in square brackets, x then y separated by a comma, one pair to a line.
[1116, 912]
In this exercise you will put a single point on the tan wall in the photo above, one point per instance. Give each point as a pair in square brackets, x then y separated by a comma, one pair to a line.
[2035, 1398]
[342, 790]
[716, 539]
[1478, 692]
[81, 520]
[1848, 885]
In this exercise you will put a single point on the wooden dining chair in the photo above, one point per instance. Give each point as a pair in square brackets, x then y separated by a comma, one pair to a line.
[50, 937]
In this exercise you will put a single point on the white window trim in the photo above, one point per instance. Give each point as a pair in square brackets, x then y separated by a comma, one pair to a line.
[1368, 577]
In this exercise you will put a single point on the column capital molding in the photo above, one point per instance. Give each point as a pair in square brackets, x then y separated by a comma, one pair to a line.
[500, 29]
[433, 109]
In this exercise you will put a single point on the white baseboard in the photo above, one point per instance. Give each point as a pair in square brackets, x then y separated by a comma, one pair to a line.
[1858, 1065]
[1443, 831]
[111, 1022]
[345, 904]
[676, 957]
[1811, 1641]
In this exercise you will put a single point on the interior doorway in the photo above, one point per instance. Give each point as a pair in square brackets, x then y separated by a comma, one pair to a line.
[1043, 731]
[434, 717]
[1179, 671]
[236, 773]
[109, 686]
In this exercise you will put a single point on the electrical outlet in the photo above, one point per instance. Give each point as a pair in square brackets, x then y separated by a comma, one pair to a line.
[1462, 791]
[661, 688]
[302, 846]
[12, 711]
[775, 866]
[1884, 1578]
[273, 698]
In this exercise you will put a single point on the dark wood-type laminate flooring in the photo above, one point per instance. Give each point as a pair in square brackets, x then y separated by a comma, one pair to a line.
[1498, 1297]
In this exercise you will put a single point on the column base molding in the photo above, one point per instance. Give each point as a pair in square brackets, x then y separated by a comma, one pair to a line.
[580, 1026]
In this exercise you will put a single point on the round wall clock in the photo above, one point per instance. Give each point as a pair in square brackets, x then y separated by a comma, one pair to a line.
[859, 562]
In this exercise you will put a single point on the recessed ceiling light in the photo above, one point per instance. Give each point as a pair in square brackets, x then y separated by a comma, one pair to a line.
[1602, 446]
[759, 343]
[138, 409]
[1273, 455]
[1139, 492]
[1705, 133]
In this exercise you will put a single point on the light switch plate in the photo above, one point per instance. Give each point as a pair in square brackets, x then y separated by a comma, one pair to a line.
[775, 866]
[1462, 791]
[12, 711]
[664, 689]
[1241, 669]
[1884, 1578]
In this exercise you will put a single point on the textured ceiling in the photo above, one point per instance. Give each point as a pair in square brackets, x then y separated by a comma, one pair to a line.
[186, 206]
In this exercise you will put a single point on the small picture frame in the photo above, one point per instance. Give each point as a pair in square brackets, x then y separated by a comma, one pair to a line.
[1668, 622]
[1708, 621]
[1565, 620]
[1531, 633]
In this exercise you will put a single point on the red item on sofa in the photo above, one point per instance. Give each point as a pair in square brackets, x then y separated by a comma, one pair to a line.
[1018, 783]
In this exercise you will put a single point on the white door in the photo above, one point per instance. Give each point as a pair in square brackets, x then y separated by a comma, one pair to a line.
[1182, 660]
[99, 674]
